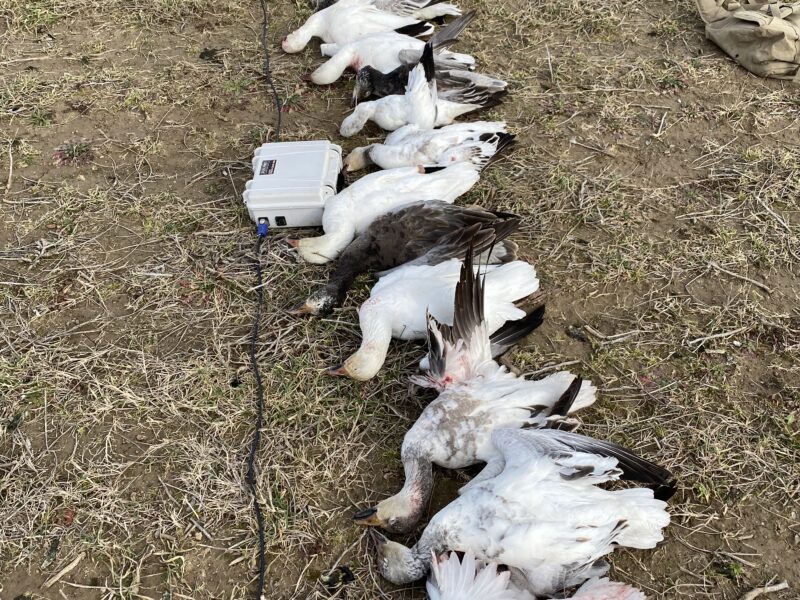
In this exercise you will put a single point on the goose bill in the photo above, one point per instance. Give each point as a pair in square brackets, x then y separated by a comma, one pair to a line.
[302, 309]
[338, 371]
[368, 517]
[356, 95]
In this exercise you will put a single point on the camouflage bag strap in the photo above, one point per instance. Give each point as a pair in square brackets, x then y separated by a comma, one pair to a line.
[712, 11]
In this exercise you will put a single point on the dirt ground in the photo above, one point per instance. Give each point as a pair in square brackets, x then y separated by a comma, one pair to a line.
[659, 185]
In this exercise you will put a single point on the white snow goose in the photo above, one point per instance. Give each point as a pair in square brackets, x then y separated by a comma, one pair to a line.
[348, 20]
[400, 300]
[538, 510]
[388, 50]
[418, 106]
[350, 212]
[475, 142]
[421, 106]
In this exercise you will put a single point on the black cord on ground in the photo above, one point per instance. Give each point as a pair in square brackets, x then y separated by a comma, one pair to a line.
[251, 477]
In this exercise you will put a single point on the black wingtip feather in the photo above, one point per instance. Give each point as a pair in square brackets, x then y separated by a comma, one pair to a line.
[504, 228]
[567, 399]
[427, 62]
[495, 99]
[414, 30]
[468, 309]
[666, 491]
[448, 35]
[436, 363]
[509, 334]
[505, 143]
[504, 215]
[506, 140]
[634, 467]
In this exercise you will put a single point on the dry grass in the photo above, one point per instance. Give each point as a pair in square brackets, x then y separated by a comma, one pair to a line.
[660, 189]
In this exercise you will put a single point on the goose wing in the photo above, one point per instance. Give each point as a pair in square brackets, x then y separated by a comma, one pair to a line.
[419, 8]
[574, 457]
[421, 92]
[603, 589]
[456, 352]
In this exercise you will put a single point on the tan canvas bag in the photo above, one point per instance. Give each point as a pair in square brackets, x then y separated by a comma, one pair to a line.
[763, 37]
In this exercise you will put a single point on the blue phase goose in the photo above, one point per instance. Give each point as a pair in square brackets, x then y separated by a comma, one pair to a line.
[423, 233]
[538, 510]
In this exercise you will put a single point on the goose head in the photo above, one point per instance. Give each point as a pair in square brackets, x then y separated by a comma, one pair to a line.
[318, 304]
[375, 319]
[315, 250]
[397, 563]
[401, 513]
[398, 514]
[358, 159]
[295, 41]
[361, 366]
[365, 84]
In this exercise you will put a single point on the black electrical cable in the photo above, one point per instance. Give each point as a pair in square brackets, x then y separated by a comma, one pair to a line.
[251, 477]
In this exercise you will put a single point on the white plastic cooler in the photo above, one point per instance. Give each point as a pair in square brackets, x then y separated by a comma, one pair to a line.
[291, 182]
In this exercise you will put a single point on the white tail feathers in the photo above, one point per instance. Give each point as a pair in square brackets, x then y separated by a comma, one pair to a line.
[505, 285]
[644, 516]
[469, 579]
[476, 151]
[603, 589]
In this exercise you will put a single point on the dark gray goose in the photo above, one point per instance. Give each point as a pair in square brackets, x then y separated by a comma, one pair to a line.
[425, 233]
